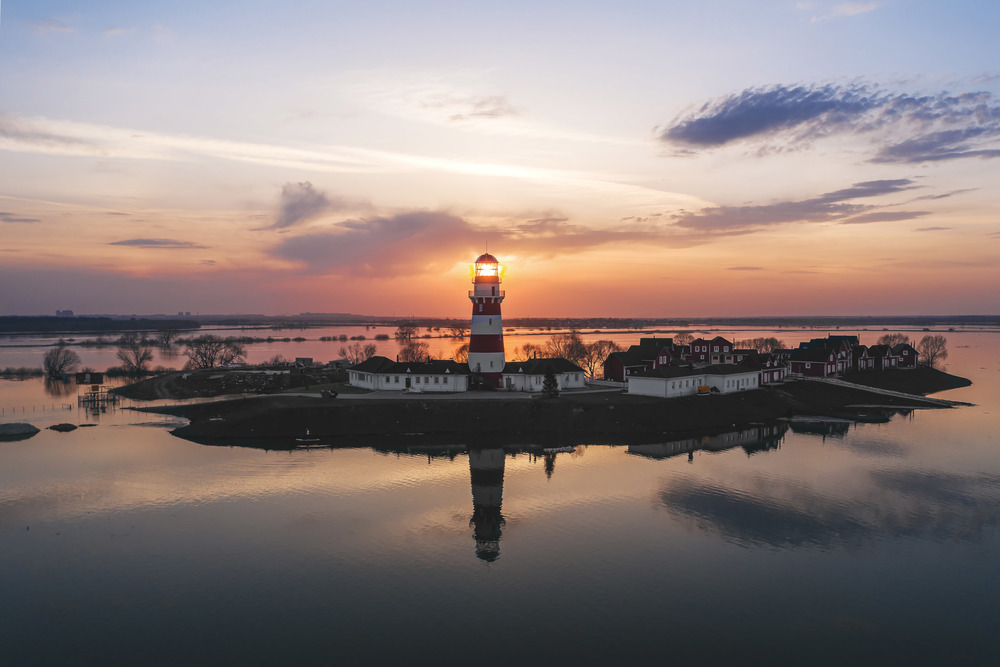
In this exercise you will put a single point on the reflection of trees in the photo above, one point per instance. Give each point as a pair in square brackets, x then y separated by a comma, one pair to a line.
[58, 388]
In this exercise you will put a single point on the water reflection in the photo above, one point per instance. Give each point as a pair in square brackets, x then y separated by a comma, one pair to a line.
[486, 473]
[753, 439]
[59, 388]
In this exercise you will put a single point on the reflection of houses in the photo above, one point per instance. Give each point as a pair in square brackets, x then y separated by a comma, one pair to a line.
[752, 439]
[530, 375]
[486, 472]
[434, 375]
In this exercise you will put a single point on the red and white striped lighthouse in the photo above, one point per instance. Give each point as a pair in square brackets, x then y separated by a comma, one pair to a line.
[486, 355]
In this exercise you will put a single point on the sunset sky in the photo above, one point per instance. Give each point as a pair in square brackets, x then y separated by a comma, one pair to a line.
[653, 159]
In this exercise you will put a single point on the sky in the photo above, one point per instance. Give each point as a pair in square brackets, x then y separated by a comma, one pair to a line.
[628, 159]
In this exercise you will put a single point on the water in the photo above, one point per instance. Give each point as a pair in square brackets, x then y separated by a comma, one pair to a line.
[844, 543]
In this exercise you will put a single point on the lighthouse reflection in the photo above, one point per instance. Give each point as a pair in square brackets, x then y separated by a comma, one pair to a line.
[486, 472]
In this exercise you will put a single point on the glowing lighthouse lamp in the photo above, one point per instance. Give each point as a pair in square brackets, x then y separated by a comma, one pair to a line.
[486, 354]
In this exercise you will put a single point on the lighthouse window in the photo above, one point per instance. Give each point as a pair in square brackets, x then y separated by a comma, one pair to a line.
[491, 320]
[494, 291]
[480, 308]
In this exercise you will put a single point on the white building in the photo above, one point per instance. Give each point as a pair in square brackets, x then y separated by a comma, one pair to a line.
[530, 375]
[435, 375]
[674, 381]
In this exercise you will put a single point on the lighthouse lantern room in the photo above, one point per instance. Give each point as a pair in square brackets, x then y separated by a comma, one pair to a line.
[486, 353]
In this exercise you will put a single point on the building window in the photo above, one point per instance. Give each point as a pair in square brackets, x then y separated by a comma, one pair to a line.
[437, 380]
[716, 348]
[396, 380]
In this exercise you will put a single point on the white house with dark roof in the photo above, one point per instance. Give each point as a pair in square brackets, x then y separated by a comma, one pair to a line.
[434, 375]
[530, 375]
[667, 381]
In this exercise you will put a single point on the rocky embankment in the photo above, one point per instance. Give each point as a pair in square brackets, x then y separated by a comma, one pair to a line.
[612, 418]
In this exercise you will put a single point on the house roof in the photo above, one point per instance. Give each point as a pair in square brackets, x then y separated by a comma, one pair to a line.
[811, 354]
[428, 367]
[541, 366]
[670, 372]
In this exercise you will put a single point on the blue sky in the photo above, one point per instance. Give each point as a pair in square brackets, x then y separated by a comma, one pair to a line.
[622, 159]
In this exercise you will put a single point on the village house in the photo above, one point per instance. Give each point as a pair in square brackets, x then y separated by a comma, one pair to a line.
[906, 354]
[674, 381]
[715, 351]
[816, 362]
[649, 353]
[530, 375]
[432, 375]
[666, 381]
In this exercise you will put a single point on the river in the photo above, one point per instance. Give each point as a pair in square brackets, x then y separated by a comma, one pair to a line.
[810, 543]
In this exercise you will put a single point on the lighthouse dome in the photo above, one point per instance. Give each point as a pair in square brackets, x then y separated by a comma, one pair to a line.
[487, 258]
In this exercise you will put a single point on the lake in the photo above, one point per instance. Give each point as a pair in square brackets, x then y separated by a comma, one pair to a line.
[805, 543]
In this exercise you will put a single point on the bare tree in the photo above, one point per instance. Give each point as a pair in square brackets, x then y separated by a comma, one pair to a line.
[135, 357]
[58, 361]
[461, 353]
[933, 349]
[165, 337]
[405, 332]
[414, 350]
[567, 346]
[355, 353]
[764, 345]
[595, 353]
[458, 331]
[684, 338]
[893, 339]
[527, 351]
[209, 351]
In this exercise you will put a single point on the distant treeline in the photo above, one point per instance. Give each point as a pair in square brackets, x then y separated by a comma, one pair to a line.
[21, 324]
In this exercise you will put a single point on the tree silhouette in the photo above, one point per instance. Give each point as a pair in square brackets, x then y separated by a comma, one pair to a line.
[893, 339]
[933, 349]
[59, 360]
[549, 385]
[355, 353]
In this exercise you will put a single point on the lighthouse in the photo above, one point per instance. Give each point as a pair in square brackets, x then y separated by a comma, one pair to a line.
[486, 355]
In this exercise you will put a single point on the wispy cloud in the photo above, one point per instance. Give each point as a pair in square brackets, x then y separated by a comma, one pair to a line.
[835, 206]
[51, 26]
[910, 129]
[846, 9]
[159, 243]
[14, 218]
[883, 216]
[745, 268]
[117, 32]
[932, 229]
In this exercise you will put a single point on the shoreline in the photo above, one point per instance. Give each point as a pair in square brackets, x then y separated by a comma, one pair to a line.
[285, 422]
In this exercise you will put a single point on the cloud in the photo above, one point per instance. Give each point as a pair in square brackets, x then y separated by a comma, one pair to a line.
[911, 129]
[417, 242]
[15, 131]
[883, 216]
[932, 229]
[50, 26]
[945, 195]
[829, 207]
[158, 243]
[301, 202]
[116, 32]
[489, 106]
[846, 9]
[383, 247]
[14, 218]
[745, 268]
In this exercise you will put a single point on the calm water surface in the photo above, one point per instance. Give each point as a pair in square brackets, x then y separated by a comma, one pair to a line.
[806, 543]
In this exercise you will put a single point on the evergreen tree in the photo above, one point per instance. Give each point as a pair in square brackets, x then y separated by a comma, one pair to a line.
[549, 385]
